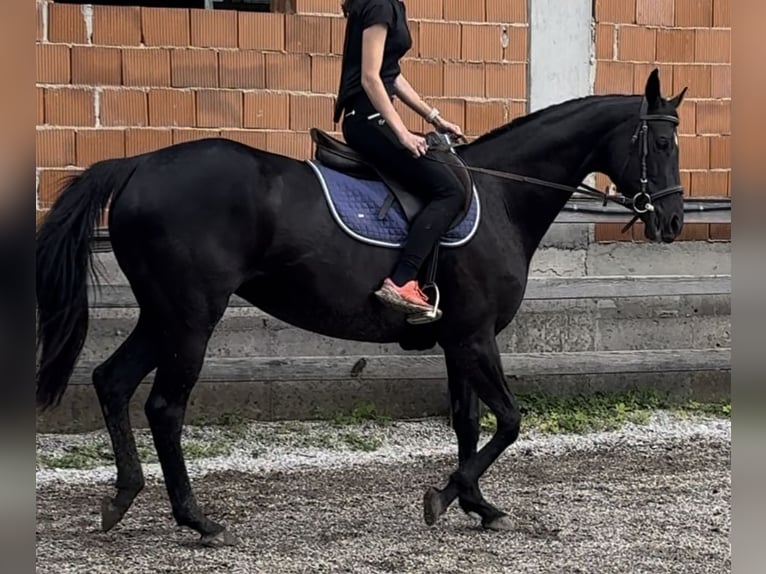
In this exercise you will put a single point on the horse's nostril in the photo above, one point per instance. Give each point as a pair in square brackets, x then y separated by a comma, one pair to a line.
[675, 224]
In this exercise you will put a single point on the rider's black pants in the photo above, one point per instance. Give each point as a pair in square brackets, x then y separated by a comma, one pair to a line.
[434, 182]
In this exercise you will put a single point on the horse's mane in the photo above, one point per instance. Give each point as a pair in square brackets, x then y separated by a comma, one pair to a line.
[563, 109]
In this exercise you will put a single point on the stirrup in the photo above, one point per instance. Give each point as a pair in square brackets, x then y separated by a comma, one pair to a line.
[424, 317]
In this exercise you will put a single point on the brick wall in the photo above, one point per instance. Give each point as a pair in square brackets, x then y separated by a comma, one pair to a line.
[690, 42]
[117, 81]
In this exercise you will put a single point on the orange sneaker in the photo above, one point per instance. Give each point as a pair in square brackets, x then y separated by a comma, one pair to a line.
[408, 297]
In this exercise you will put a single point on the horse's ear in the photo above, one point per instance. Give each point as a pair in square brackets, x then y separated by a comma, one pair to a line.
[652, 90]
[675, 102]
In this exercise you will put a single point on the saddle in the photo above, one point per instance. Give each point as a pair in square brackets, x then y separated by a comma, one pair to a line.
[334, 154]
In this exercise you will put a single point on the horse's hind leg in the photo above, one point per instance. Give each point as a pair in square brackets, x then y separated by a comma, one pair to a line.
[478, 361]
[183, 347]
[115, 381]
[464, 407]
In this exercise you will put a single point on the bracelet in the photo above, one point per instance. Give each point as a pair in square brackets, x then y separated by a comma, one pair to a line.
[432, 115]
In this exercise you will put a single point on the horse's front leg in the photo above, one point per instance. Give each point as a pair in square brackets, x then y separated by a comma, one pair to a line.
[475, 370]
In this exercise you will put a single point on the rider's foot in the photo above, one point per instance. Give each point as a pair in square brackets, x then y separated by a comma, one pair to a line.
[406, 298]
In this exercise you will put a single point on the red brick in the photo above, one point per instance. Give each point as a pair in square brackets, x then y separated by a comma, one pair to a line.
[414, 51]
[687, 114]
[694, 152]
[714, 117]
[165, 26]
[637, 44]
[720, 231]
[145, 67]
[318, 7]
[654, 12]
[482, 42]
[52, 64]
[614, 78]
[675, 46]
[193, 68]
[506, 81]
[695, 77]
[712, 46]
[138, 141]
[507, 11]
[308, 34]
[694, 13]
[261, 31]
[181, 136]
[481, 117]
[325, 74]
[288, 71]
[338, 35]
[694, 232]
[720, 81]
[307, 112]
[686, 182]
[250, 138]
[219, 108]
[411, 120]
[172, 108]
[440, 40]
[97, 145]
[241, 69]
[96, 66]
[40, 94]
[709, 183]
[117, 25]
[464, 79]
[427, 9]
[123, 108]
[605, 42]
[722, 13]
[69, 107]
[66, 23]
[720, 152]
[452, 109]
[54, 148]
[213, 28]
[515, 110]
[617, 11]
[425, 76]
[51, 184]
[267, 110]
[462, 11]
[609, 232]
[290, 144]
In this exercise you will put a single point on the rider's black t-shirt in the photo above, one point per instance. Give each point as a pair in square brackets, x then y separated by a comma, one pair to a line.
[363, 14]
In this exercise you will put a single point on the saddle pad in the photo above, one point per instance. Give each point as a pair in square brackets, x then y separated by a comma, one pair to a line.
[356, 203]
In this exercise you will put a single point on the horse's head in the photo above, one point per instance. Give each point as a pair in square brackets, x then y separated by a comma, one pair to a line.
[643, 163]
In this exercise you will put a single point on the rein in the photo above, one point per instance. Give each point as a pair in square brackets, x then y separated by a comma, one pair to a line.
[640, 203]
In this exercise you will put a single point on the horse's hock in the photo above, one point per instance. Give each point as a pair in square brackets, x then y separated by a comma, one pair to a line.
[117, 81]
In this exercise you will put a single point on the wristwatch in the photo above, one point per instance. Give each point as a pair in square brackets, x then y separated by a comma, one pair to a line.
[432, 115]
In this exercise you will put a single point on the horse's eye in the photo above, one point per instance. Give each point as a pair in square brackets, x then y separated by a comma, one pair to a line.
[663, 143]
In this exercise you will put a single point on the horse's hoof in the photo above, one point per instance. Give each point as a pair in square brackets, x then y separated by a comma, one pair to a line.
[222, 538]
[433, 507]
[110, 514]
[499, 524]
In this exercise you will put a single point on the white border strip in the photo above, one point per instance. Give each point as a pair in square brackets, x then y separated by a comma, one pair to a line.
[387, 244]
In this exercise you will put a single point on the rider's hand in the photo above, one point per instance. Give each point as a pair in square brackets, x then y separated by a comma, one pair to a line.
[414, 143]
[444, 126]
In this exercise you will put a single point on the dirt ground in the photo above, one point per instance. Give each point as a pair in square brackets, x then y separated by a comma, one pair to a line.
[599, 504]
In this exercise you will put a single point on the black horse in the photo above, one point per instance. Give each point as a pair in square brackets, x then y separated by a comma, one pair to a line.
[194, 223]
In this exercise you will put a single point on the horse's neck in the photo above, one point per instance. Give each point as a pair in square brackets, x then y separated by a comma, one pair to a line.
[557, 147]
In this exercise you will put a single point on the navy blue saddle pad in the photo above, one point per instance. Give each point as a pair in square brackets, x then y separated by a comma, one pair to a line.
[356, 203]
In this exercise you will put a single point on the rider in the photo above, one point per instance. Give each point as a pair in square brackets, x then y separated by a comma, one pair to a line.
[377, 37]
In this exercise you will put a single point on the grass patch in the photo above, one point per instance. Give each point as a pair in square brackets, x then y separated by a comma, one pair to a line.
[356, 441]
[361, 413]
[599, 412]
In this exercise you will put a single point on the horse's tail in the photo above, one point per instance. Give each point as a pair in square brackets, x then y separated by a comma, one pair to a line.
[63, 260]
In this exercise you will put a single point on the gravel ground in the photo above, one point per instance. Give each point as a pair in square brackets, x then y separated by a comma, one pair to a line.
[646, 499]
